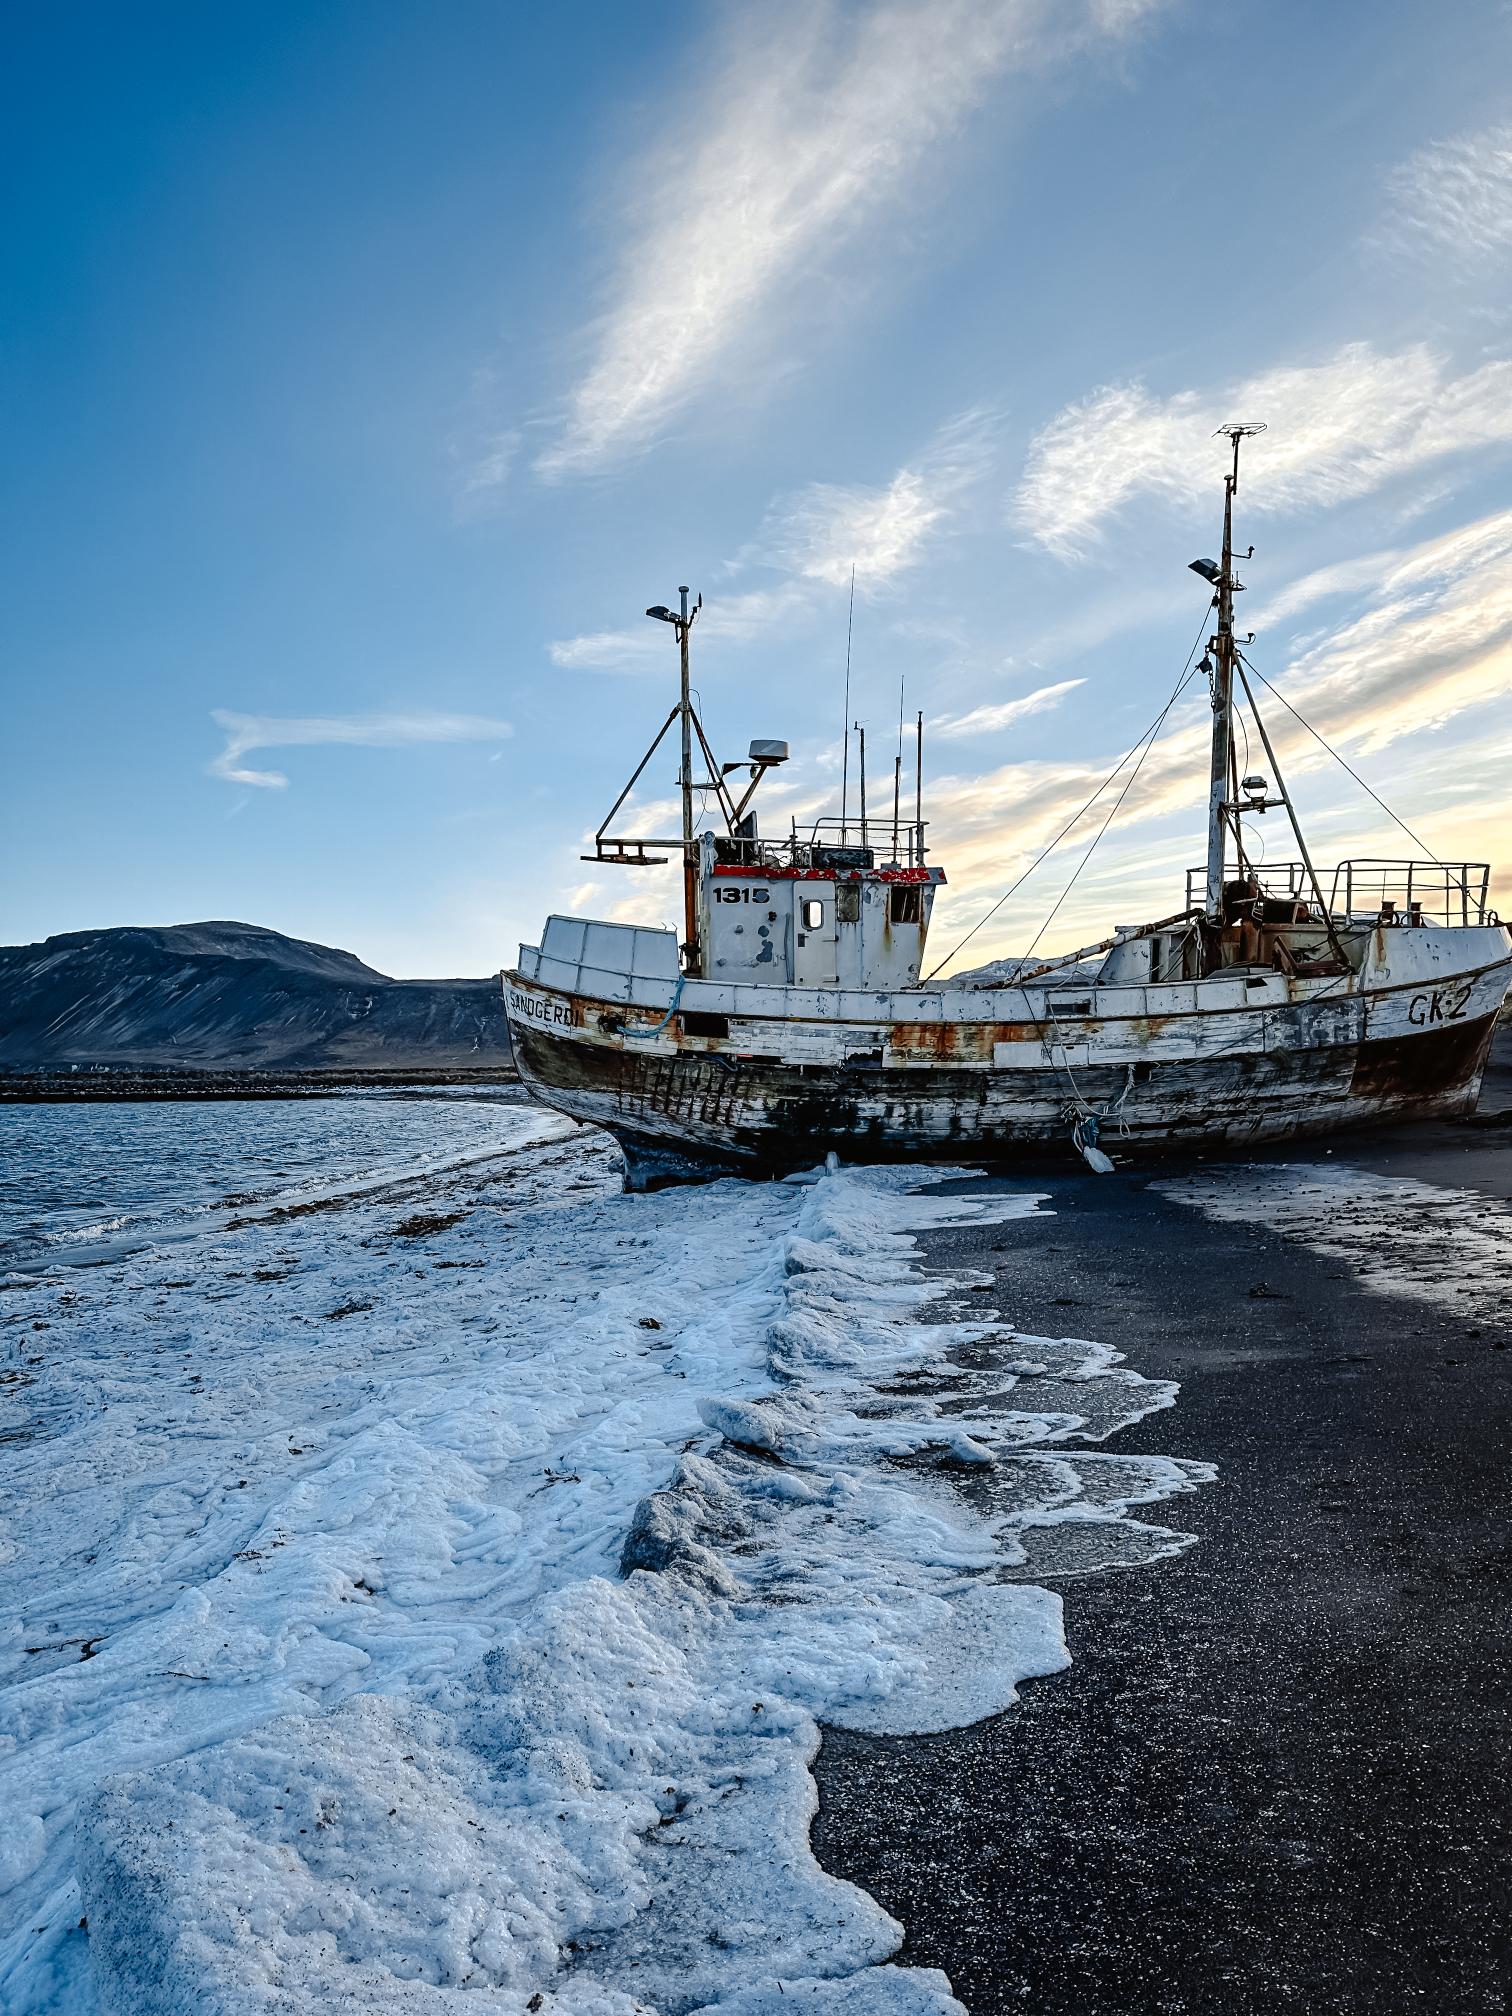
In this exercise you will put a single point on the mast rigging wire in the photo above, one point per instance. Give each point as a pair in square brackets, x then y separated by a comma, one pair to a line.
[1149, 744]
[1415, 838]
[1076, 818]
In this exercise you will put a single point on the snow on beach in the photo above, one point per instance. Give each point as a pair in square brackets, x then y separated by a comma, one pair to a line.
[435, 1591]
[1430, 1242]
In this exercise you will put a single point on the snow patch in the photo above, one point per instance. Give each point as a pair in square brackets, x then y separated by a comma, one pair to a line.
[1429, 1242]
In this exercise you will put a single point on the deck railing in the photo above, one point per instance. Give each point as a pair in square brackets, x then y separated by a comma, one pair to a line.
[1375, 889]
[1280, 882]
[897, 841]
[835, 843]
[1428, 892]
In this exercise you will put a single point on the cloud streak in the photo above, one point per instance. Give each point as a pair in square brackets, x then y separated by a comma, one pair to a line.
[1339, 430]
[815, 536]
[989, 720]
[647, 645]
[817, 119]
[246, 733]
[820, 532]
[1455, 196]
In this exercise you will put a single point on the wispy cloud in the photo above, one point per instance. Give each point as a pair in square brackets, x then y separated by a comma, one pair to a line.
[486, 472]
[1455, 196]
[248, 732]
[988, 720]
[1338, 430]
[820, 532]
[647, 645]
[1339, 578]
[815, 536]
[815, 120]
[1434, 640]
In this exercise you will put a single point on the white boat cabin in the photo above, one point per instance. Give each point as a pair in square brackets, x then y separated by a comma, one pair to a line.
[810, 914]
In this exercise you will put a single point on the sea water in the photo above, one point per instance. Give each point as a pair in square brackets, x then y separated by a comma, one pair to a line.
[90, 1180]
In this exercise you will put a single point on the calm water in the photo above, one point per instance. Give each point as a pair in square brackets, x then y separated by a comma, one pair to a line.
[74, 1179]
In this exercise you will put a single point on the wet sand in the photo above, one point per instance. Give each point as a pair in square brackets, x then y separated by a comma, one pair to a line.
[1275, 1777]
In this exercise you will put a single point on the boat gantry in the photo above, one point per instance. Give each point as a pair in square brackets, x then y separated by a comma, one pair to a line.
[790, 1018]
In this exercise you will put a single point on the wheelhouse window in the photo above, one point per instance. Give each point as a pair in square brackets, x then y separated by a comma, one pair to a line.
[813, 915]
[905, 904]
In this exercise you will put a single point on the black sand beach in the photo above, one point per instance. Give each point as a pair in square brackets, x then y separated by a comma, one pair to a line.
[1274, 1777]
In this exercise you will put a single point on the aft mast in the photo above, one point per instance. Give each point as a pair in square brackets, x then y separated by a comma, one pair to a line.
[1222, 646]
[1225, 807]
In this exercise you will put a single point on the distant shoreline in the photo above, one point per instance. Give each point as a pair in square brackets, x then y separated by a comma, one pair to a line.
[92, 1084]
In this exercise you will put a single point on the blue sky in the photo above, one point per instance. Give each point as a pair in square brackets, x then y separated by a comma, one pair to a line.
[367, 369]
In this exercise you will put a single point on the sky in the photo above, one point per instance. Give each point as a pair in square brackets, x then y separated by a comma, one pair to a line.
[367, 369]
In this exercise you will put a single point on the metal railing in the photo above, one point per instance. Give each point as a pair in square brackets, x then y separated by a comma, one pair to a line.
[898, 841]
[1375, 889]
[828, 843]
[1412, 892]
[1280, 882]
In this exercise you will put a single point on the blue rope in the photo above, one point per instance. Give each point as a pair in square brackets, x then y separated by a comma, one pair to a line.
[643, 1035]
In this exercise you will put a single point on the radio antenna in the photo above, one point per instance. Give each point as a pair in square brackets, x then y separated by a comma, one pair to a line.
[850, 624]
[898, 768]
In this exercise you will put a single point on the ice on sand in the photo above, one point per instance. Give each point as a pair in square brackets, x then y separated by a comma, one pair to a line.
[560, 1599]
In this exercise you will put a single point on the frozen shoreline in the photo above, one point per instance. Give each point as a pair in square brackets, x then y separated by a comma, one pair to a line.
[241, 1502]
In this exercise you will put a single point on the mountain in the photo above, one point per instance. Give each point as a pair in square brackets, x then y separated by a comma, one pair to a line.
[1005, 972]
[224, 995]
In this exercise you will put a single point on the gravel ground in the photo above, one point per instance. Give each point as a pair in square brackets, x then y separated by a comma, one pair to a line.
[1275, 1776]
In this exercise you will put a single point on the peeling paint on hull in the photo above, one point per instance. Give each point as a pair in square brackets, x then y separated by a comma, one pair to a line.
[1317, 1073]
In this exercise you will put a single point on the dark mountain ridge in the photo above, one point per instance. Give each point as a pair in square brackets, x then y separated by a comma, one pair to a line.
[222, 995]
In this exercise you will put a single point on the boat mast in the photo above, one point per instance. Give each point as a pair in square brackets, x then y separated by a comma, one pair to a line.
[690, 861]
[1222, 646]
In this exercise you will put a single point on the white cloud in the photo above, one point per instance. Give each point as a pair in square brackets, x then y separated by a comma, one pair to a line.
[1337, 430]
[488, 472]
[609, 651]
[815, 536]
[1456, 195]
[248, 732]
[988, 720]
[824, 530]
[1434, 641]
[817, 118]
[648, 645]
[1341, 577]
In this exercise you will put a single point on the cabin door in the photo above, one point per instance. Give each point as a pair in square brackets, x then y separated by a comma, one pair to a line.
[814, 937]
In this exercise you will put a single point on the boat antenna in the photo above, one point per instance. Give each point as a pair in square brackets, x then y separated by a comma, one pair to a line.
[861, 733]
[919, 783]
[898, 769]
[850, 624]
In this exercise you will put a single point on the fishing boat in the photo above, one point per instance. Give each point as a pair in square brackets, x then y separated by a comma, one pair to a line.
[789, 1018]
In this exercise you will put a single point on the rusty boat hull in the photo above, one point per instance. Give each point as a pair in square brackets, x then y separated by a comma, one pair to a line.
[992, 1075]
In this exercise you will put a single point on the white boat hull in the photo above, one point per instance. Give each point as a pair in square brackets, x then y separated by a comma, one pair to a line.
[778, 1076]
